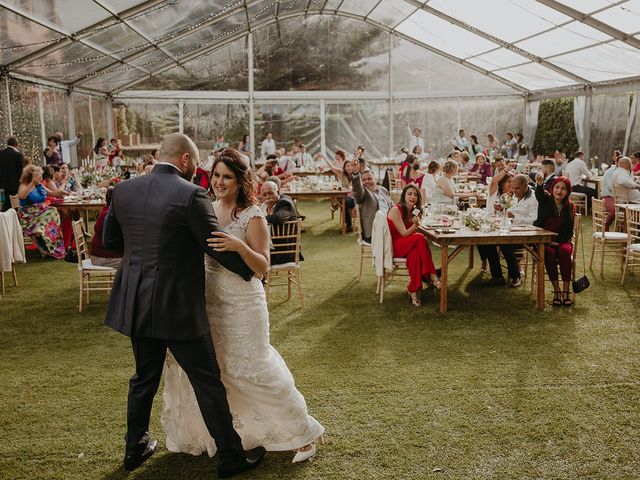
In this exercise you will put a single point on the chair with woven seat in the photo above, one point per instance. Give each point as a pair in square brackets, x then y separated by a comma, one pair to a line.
[93, 278]
[366, 253]
[606, 243]
[620, 197]
[286, 241]
[632, 249]
[579, 199]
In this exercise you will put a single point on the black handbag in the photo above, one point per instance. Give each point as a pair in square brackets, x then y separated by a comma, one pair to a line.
[582, 283]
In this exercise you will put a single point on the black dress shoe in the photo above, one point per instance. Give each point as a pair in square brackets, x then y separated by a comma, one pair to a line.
[134, 458]
[252, 458]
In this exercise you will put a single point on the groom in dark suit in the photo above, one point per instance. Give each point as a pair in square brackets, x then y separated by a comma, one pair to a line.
[162, 221]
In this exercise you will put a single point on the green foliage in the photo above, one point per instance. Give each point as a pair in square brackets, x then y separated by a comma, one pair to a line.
[492, 390]
[132, 121]
[123, 128]
[555, 127]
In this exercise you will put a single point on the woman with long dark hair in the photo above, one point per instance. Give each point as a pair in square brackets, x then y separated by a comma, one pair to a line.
[267, 408]
[408, 243]
[556, 213]
[101, 152]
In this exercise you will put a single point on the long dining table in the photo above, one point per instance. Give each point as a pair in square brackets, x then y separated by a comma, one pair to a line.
[532, 238]
[337, 196]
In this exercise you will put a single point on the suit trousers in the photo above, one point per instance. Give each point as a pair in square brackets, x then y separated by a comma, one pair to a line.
[197, 358]
[490, 252]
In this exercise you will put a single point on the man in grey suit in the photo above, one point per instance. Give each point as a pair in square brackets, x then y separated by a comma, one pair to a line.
[161, 221]
[370, 197]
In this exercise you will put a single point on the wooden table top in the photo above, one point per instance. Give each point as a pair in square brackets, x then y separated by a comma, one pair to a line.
[80, 204]
[518, 234]
[317, 194]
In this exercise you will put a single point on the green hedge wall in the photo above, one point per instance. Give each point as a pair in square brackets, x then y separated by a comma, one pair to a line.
[555, 128]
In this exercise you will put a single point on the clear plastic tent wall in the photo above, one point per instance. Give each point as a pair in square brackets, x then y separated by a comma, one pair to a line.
[333, 73]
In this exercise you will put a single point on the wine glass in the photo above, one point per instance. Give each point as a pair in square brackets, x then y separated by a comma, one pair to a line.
[473, 202]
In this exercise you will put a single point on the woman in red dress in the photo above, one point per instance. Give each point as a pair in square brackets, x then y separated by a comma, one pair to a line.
[410, 244]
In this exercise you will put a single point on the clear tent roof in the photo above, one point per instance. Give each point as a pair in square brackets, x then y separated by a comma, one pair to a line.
[519, 45]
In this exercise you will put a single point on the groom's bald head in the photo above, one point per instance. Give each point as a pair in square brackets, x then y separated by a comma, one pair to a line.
[179, 150]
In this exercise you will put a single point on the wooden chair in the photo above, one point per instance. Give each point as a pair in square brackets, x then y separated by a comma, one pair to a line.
[93, 278]
[620, 196]
[575, 239]
[580, 201]
[607, 243]
[366, 251]
[632, 250]
[286, 238]
[399, 269]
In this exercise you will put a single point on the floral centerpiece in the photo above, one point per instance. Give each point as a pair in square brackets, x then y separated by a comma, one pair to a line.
[505, 201]
[91, 175]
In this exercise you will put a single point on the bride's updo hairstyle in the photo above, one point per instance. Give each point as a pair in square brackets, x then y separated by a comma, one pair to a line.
[236, 162]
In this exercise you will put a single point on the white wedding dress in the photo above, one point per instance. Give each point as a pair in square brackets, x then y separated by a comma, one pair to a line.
[267, 408]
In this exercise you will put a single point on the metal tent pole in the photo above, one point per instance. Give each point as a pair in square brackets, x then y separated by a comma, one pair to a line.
[252, 124]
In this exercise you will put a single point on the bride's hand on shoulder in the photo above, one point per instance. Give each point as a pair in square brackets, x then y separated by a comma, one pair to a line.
[224, 242]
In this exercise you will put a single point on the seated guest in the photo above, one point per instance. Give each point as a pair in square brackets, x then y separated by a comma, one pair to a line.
[54, 194]
[39, 221]
[344, 175]
[635, 163]
[370, 196]
[279, 208]
[575, 170]
[419, 152]
[464, 161]
[561, 163]
[623, 177]
[524, 211]
[99, 255]
[412, 173]
[607, 193]
[500, 185]
[556, 214]
[445, 186]
[549, 173]
[67, 181]
[272, 168]
[410, 244]
[482, 168]
[429, 180]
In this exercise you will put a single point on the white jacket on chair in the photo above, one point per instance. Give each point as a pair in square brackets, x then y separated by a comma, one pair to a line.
[11, 240]
[381, 244]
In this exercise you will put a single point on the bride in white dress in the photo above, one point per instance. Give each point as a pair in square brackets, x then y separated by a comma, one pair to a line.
[267, 408]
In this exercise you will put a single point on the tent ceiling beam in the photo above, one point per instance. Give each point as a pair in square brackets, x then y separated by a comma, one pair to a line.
[67, 40]
[268, 21]
[592, 22]
[499, 41]
[207, 23]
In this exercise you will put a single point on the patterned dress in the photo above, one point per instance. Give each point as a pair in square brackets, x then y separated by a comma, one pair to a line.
[267, 408]
[41, 223]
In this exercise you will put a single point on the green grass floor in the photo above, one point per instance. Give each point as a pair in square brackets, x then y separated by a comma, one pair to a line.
[493, 389]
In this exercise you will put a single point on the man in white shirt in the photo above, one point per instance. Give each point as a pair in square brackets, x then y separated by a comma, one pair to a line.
[64, 146]
[303, 159]
[268, 145]
[623, 177]
[575, 169]
[524, 211]
[461, 141]
[415, 138]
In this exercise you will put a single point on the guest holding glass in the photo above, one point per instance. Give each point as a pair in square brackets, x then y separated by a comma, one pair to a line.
[408, 243]
[556, 213]
[39, 221]
[52, 154]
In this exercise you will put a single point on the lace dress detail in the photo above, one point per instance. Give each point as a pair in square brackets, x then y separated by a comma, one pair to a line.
[267, 408]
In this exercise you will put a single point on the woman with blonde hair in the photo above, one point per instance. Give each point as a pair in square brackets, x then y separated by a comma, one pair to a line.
[39, 221]
[445, 186]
